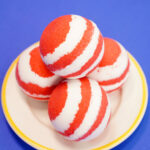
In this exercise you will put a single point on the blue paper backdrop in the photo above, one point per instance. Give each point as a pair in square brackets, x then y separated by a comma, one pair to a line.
[22, 22]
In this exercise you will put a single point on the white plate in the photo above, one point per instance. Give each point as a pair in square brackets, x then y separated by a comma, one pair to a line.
[29, 118]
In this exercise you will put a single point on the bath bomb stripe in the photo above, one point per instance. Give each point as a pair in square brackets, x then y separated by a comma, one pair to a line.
[93, 66]
[116, 86]
[33, 76]
[118, 79]
[81, 48]
[95, 103]
[87, 105]
[83, 108]
[91, 63]
[37, 65]
[77, 51]
[74, 96]
[114, 67]
[33, 95]
[49, 47]
[89, 124]
[33, 90]
[101, 120]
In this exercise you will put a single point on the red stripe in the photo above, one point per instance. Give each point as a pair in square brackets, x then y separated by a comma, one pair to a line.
[37, 65]
[91, 60]
[69, 58]
[116, 88]
[100, 116]
[57, 100]
[83, 107]
[54, 34]
[111, 52]
[33, 88]
[116, 80]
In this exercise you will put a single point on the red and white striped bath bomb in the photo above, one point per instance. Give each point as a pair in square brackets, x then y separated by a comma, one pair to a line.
[79, 109]
[33, 76]
[71, 46]
[113, 70]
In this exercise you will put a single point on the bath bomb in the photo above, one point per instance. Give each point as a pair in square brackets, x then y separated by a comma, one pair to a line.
[113, 70]
[71, 46]
[79, 109]
[32, 75]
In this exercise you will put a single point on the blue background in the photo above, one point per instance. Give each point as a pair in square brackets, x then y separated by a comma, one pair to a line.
[22, 22]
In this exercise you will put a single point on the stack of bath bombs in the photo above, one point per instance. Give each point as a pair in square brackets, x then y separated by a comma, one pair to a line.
[74, 67]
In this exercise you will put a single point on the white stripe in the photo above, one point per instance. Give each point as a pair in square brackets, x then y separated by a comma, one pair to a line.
[101, 127]
[111, 71]
[96, 62]
[92, 112]
[83, 58]
[66, 117]
[28, 76]
[35, 95]
[77, 28]
[111, 87]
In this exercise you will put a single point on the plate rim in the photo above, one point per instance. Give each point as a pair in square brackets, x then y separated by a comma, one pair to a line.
[110, 145]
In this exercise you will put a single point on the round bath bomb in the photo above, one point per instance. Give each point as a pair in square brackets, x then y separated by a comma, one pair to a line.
[33, 76]
[71, 46]
[113, 70]
[79, 109]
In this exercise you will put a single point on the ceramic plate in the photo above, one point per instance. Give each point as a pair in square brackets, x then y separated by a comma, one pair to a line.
[29, 118]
